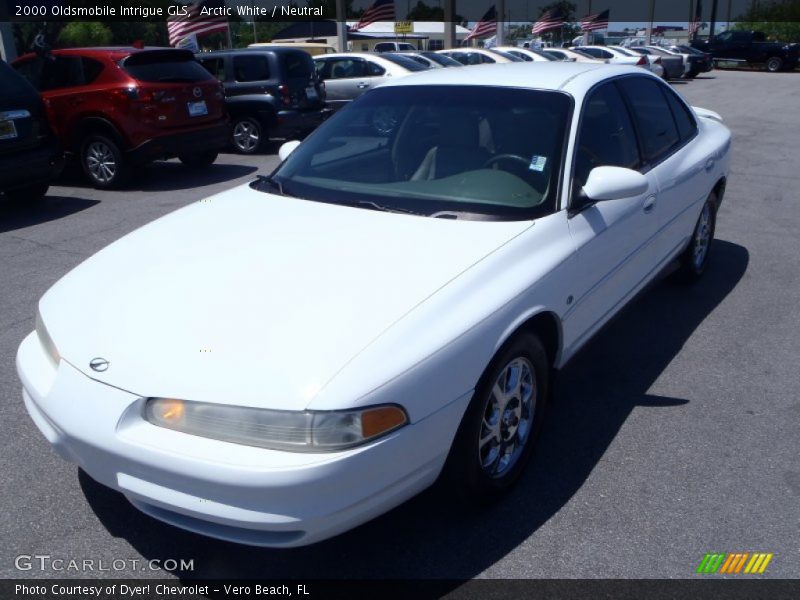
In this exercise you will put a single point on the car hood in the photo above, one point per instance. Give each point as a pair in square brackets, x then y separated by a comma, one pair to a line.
[254, 299]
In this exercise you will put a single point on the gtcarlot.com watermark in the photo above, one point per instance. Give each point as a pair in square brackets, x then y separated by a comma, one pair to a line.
[46, 562]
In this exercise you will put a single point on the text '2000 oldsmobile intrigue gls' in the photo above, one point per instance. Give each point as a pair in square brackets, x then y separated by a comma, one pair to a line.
[290, 358]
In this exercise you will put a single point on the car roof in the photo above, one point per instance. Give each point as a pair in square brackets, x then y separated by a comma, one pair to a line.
[103, 51]
[255, 50]
[575, 78]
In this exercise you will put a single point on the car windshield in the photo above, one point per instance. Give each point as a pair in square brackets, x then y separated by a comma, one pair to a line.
[510, 57]
[409, 64]
[450, 150]
[443, 60]
[582, 53]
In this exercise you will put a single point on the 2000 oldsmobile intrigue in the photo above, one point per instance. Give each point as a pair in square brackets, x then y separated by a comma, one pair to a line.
[283, 361]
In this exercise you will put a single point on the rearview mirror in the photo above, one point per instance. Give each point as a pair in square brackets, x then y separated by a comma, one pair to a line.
[614, 183]
[286, 149]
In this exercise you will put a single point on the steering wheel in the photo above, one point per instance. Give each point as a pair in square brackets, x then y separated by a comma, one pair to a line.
[499, 157]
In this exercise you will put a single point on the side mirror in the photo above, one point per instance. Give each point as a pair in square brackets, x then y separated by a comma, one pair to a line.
[286, 149]
[614, 183]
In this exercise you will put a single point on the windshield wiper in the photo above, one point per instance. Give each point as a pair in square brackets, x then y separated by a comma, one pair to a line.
[392, 209]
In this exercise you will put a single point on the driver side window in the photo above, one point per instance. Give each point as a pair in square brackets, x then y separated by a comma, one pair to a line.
[606, 136]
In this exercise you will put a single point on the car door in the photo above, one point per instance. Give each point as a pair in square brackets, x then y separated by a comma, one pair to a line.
[667, 129]
[345, 79]
[613, 239]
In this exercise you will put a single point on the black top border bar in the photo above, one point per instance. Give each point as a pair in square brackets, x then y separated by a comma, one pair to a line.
[465, 11]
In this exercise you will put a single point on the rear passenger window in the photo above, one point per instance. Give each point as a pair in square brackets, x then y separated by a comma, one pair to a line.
[53, 73]
[250, 68]
[653, 117]
[215, 66]
[91, 69]
[347, 68]
[687, 126]
[606, 137]
[298, 65]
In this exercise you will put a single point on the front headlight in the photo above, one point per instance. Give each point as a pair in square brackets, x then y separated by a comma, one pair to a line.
[45, 340]
[301, 431]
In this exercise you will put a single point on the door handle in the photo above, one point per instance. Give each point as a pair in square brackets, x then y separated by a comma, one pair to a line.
[710, 164]
[649, 204]
[362, 85]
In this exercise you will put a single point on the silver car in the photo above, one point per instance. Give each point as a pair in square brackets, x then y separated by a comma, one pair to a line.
[348, 75]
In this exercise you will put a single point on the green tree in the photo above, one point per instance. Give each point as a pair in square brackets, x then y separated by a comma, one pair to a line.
[569, 30]
[85, 33]
[779, 20]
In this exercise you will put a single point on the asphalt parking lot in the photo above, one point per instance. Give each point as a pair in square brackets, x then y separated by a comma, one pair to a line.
[675, 433]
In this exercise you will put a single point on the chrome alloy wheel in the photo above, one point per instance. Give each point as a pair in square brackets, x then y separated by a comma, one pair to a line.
[101, 162]
[702, 237]
[507, 418]
[246, 136]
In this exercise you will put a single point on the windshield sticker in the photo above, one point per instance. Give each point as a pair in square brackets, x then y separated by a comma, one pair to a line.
[537, 163]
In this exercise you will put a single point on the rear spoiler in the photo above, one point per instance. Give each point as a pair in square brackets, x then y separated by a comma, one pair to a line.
[708, 114]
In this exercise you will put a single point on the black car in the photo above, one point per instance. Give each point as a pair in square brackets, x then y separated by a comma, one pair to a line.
[30, 155]
[751, 47]
[269, 93]
[699, 62]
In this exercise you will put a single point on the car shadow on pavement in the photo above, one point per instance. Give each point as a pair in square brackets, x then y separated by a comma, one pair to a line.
[18, 215]
[167, 176]
[427, 537]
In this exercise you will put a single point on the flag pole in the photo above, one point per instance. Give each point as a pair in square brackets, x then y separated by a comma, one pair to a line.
[586, 33]
[501, 16]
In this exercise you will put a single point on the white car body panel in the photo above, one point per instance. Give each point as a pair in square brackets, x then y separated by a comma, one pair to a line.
[249, 298]
[311, 267]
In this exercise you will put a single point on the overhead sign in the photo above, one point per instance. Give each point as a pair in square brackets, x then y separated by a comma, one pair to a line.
[403, 27]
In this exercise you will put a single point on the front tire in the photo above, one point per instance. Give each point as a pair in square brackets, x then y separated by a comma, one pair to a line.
[103, 162]
[695, 258]
[497, 434]
[774, 64]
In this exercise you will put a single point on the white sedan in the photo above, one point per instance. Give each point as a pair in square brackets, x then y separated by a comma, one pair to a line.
[288, 359]
[480, 56]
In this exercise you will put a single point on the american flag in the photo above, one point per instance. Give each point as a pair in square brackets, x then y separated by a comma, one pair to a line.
[382, 10]
[552, 19]
[181, 27]
[486, 26]
[595, 22]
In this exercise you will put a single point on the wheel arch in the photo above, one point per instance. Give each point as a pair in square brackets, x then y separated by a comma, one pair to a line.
[546, 325]
[719, 191]
[96, 125]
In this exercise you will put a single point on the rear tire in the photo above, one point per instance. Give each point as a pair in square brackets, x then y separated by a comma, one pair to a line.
[499, 429]
[29, 194]
[774, 64]
[103, 162]
[199, 160]
[248, 135]
[695, 258]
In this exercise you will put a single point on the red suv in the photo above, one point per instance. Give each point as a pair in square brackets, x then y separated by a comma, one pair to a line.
[115, 108]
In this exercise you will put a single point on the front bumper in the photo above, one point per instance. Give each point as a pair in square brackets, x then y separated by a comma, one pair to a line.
[41, 164]
[237, 493]
[209, 138]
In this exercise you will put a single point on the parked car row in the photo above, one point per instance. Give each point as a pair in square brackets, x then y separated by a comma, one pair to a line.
[114, 109]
